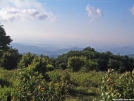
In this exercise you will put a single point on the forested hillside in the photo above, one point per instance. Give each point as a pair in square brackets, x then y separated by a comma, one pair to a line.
[74, 76]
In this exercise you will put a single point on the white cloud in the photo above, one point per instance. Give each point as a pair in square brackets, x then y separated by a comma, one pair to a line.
[132, 10]
[93, 12]
[24, 10]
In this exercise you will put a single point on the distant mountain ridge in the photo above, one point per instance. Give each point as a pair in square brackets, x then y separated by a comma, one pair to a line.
[55, 52]
[41, 50]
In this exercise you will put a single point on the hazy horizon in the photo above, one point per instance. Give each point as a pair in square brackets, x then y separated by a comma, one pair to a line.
[77, 23]
[57, 46]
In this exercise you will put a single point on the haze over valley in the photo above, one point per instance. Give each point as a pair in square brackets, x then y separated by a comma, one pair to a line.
[55, 51]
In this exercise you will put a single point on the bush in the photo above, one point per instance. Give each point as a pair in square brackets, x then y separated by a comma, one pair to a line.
[63, 66]
[4, 82]
[26, 60]
[50, 67]
[91, 65]
[9, 59]
[65, 77]
[40, 65]
[31, 86]
[75, 62]
[54, 75]
[123, 87]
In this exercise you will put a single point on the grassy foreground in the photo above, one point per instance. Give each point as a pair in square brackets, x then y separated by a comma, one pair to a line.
[83, 86]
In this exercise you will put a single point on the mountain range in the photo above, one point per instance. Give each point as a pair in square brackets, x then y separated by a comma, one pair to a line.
[55, 52]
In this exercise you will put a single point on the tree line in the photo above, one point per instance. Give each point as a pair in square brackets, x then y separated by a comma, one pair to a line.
[79, 60]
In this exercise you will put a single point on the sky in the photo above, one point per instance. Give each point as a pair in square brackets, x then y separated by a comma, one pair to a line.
[69, 23]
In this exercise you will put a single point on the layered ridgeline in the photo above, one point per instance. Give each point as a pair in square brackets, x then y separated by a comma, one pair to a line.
[54, 50]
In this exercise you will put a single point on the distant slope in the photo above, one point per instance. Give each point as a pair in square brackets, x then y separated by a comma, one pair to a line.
[55, 52]
[41, 50]
[123, 50]
[28, 48]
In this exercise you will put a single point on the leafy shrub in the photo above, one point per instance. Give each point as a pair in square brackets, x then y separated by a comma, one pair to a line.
[91, 65]
[4, 82]
[85, 79]
[26, 60]
[5, 93]
[31, 86]
[63, 66]
[54, 75]
[123, 87]
[50, 67]
[114, 64]
[75, 62]
[65, 77]
[9, 59]
[39, 64]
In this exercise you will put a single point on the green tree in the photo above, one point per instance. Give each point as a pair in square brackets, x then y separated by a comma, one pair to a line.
[26, 60]
[75, 62]
[50, 67]
[63, 66]
[89, 49]
[9, 59]
[114, 64]
[4, 39]
[91, 65]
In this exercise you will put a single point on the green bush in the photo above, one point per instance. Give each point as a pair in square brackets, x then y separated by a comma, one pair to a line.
[75, 62]
[9, 59]
[63, 66]
[121, 88]
[91, 65]
[85, 79]
[50, 67]
[31, 86]
[40, 65]
[54, 75]
[6, 93]
[26, 60]
[4, 82]
[65, 76]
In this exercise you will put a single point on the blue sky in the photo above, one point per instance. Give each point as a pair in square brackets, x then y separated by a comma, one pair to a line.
[95, 23]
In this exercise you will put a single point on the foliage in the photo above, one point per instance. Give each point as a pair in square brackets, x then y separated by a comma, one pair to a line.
[39, 64]
[55, 75]
[4, 40]
[91, 65]
[26, 60]
[4, 82]
[63, 66]
[89, 49]
[85, 86]
[50, 67]
[75, 63]
[9, 59]
[52, 61]
[31, 86]
[121, 88]
[65, 76]
[5, 93]
[102, 60]
[113, 64]
[86, 79]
